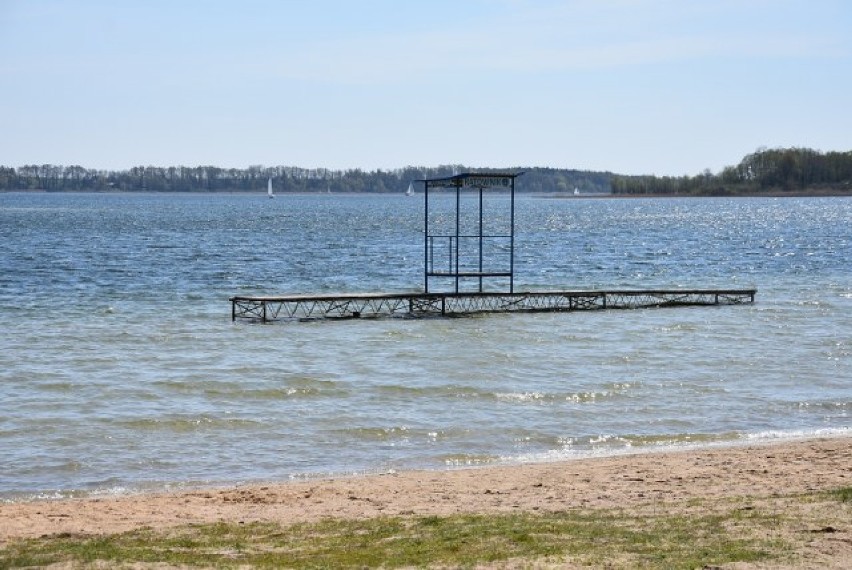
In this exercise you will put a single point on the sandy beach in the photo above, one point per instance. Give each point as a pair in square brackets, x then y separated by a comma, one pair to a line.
[659, 481]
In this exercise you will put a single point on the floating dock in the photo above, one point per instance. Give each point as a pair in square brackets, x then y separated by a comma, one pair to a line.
[267, 309]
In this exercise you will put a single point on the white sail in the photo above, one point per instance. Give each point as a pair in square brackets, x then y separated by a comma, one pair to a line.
[410, 191]
[269, 188]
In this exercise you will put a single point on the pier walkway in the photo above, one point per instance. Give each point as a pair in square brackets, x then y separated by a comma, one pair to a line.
[267, 309]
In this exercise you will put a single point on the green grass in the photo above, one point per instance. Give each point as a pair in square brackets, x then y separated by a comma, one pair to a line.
[463, 541]
[712, 536]
[844, 494]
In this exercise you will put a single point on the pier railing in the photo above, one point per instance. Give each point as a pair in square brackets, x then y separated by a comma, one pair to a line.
[469, 258]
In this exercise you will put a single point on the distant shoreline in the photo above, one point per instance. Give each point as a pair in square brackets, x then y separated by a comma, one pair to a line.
[774, 194]
[821, 193]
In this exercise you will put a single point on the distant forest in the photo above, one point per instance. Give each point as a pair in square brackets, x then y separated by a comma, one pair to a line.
[793, 170]
[766, 171]
[53, 178]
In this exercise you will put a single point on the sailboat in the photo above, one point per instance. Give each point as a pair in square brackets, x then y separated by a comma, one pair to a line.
[410, 191]
[269, 188]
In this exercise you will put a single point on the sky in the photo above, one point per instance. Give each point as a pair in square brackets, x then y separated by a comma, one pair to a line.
[665, 87]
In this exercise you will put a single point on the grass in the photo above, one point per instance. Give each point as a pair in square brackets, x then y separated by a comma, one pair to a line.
[701, 535]
[844, 494]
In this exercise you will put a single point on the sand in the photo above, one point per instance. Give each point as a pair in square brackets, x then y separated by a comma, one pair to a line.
[655, 480]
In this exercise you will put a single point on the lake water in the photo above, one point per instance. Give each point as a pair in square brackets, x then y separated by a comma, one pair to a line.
[120, 368]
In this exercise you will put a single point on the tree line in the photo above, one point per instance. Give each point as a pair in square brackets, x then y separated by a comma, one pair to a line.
[764, 171]
[53, 178]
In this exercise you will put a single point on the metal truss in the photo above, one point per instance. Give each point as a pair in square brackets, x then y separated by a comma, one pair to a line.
[640, 299]
[302, 307]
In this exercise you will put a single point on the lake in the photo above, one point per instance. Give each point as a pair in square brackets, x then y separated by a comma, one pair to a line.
[121, 371]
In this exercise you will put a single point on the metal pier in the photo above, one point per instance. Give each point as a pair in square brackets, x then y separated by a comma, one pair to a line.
[349, 306]
[470, 250]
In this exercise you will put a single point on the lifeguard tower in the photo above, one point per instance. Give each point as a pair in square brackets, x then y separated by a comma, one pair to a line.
[465, 248]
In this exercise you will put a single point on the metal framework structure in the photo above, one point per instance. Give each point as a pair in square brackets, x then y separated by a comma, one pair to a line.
[476, 255]
[472, 255]
[310, 307]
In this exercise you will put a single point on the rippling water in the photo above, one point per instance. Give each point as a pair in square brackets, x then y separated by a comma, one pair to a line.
[120, 368]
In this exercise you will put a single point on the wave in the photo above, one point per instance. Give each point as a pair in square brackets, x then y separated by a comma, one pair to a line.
[607, 391]
[612, 445]
[186, 423]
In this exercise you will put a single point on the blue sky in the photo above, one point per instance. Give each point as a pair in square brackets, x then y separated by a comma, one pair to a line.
[665, 87]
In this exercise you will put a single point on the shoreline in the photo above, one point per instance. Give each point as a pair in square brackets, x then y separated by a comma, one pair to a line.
[154, 488]
[761, 469]
[823, 193]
